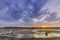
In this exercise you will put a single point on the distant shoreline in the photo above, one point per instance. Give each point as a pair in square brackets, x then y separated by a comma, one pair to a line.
[30, 28]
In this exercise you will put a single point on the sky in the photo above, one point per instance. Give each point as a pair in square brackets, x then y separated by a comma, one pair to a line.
[29, 12]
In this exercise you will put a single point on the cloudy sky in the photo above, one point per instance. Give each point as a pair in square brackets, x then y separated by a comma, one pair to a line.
[29, 12]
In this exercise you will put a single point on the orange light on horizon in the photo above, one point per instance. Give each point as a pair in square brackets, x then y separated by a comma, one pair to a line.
[44, 26]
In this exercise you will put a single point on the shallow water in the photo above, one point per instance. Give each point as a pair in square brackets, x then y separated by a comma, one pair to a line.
[15, 34]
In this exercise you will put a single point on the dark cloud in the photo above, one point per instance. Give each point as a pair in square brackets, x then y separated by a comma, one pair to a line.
[21, 9]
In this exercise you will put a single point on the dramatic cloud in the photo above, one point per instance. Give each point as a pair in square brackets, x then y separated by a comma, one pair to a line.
[29, 12]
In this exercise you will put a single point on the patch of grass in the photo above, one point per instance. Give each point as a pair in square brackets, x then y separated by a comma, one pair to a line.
[8, 38]
[56, 38]
[40, 39]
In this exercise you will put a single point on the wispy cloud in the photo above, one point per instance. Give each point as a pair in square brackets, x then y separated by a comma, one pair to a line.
[23, 12]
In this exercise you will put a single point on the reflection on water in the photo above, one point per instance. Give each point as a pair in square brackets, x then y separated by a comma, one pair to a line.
[15, 34]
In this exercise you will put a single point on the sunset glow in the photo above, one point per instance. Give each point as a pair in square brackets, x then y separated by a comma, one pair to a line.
[43, 26]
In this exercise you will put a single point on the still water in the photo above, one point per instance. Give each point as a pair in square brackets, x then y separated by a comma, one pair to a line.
[15, 34]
